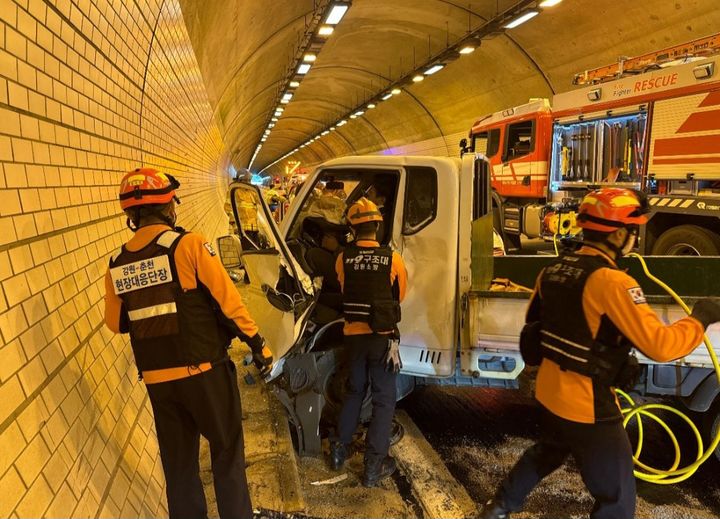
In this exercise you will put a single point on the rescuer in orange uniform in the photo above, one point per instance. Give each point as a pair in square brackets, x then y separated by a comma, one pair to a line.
[589, 314]
[169, 290]
[373, 280]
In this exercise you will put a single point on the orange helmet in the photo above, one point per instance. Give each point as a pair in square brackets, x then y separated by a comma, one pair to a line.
[611, 208]
[147, 186]
[362, 211]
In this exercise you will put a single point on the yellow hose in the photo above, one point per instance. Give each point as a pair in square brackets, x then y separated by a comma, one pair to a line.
[673, 474]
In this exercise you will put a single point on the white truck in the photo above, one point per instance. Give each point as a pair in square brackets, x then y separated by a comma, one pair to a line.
[455, 331]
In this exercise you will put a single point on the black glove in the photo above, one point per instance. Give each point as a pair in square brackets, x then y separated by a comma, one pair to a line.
[261, 354]
[707, 311]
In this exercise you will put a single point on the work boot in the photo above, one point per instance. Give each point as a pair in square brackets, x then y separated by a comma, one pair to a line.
[494, 509]
[338, 453]
[375, 470]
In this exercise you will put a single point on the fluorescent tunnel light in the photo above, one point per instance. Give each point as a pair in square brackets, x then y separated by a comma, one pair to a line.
[521, 19]
[336, 14]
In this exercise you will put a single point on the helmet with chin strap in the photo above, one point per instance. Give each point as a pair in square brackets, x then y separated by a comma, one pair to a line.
[611, 208]
[147, 186]
[148, 190]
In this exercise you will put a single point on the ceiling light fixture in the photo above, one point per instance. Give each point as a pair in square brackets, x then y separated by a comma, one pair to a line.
[342, 123]
[309, 57]
[353, 116]
[417, 78]
[524, 17]
[286, 98]
[294, 84]
[549, 3]
[336, 14]
[467, 49]
[371, 106]
[433, 69]
[386, 96]
[325, 30]
[304, 68]
[396, 91]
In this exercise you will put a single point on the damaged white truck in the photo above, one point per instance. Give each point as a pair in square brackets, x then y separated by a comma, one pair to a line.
[455, 330]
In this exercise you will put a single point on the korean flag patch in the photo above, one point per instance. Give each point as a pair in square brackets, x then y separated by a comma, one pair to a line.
[209, 248]
[637, 295]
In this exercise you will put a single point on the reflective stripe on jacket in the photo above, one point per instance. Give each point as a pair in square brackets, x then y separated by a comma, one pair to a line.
[612, 294]
[398, 279]
[169, 327]
[196, 265]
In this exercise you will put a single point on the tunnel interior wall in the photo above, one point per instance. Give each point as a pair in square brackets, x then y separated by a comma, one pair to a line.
[89, 89]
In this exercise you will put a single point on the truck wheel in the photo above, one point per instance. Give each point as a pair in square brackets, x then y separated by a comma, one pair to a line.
[711, 423]
[687, 240]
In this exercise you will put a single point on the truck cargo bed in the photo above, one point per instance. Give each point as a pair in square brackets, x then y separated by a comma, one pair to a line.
[496, 318]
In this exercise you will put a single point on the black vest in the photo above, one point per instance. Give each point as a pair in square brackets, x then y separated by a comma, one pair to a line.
[367, 291]
[169, 327]
[566, 338]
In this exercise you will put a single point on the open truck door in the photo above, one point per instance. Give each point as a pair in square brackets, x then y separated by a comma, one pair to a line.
[279, 295]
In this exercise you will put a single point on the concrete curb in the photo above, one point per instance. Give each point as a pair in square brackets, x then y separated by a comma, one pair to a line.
[437, 491]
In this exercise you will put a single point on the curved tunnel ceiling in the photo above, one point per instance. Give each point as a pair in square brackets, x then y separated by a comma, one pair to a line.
[245, 49]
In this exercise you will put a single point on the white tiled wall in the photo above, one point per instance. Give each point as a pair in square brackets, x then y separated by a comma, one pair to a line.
[89, 89]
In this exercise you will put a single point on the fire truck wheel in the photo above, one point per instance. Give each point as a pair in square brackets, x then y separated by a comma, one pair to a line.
[687, 240]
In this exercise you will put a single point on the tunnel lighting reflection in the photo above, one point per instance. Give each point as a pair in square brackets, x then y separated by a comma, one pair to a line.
[467, 49]
[386, 96]
[325, 30]
[549, 3]
[309, 57]
[304, 68]
[294, 84]
[418, 78]
[521, 19]
[433, 69]
[336, 14]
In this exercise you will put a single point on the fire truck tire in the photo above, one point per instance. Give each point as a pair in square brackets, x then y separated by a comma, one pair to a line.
[687, 240]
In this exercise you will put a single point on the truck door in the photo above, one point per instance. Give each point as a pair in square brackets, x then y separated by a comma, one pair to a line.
[277, 292]
[428, 236]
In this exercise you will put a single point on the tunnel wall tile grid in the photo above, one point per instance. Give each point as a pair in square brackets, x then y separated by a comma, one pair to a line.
[88, 90]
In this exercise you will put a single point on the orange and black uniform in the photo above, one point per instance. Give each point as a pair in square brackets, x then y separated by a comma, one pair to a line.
[370, 275]
[580, 413]
[170, 291]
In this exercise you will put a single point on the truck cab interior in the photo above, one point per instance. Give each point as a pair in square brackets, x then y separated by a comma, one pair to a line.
[319, 232]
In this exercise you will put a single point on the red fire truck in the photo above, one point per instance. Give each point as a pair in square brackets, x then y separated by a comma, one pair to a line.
[651, 123]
